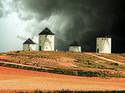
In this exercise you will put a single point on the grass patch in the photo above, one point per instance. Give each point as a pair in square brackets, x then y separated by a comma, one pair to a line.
[114, 64]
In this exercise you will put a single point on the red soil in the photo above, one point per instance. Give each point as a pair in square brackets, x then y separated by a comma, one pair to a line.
[17, 79]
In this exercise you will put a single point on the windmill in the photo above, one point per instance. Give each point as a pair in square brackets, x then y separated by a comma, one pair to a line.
[103, 45]
[75, 47]
[30, 45]
[46, 40]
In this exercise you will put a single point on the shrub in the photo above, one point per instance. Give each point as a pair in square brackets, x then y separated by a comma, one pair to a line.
[17, 51]
[115, 64]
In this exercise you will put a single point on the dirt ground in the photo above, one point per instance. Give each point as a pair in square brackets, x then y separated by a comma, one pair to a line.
[17, 79]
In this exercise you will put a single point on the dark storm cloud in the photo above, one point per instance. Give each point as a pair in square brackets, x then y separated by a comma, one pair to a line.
[88, 18]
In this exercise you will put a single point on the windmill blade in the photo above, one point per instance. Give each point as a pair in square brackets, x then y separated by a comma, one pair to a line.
[34, 38]
[49, 43]
[32, 35]
[108, 41]
[44, 41]
[21, 37]
[65, 41]
[24, 38]
[36, 43]
[103, 43]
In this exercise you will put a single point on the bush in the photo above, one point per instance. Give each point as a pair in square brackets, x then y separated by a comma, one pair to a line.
[115, 64]
[17, 51]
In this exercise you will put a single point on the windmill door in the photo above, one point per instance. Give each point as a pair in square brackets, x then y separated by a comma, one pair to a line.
[97, 50]
[40, 48]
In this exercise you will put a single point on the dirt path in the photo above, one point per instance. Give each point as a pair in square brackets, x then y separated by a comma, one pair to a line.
[17, 79]
[103, 58]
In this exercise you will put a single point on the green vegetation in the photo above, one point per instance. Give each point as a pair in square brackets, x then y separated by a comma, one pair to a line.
[115, 64]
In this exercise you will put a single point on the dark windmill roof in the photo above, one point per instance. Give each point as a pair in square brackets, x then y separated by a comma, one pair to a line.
[29, 41]
[105, 35]
[46, 31]
[102, 36]
[75, 43]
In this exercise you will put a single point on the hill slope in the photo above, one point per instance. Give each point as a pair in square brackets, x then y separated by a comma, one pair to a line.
[112, 65]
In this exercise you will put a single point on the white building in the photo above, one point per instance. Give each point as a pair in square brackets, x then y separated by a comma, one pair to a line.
[46, 40]
[28, 45]
[103, 45]
[75, 47]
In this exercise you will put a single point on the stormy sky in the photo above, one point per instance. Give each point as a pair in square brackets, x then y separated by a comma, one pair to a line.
[79, 20]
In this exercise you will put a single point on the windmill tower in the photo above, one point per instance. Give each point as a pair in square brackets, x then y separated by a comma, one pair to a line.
[28, 45]
[103, 45]
[75, 47]
[46, 40]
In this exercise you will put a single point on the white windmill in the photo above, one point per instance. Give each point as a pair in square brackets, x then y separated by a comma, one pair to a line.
[28, 45]
[31, 41]
[46, 40]
[75, 47]
[103, 44]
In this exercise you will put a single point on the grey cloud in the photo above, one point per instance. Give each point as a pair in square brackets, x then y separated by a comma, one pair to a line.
[6, 7]
[1, 7]
[88, 18]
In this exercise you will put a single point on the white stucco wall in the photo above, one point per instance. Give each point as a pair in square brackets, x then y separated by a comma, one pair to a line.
[75, 48]
[103, 45]
[46, 42]
[29, 47]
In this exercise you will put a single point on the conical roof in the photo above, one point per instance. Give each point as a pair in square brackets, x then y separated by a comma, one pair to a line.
[105, 35]
[75, 43]
[46, 31]
[28, 41]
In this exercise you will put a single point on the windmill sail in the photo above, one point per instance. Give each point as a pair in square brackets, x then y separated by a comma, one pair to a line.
[44, 42]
